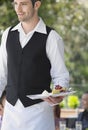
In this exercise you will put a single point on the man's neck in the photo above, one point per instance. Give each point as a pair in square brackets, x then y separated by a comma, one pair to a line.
[30, 25]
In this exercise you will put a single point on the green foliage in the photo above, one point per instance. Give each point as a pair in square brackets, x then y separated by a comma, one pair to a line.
[7, 15]
[73, 101]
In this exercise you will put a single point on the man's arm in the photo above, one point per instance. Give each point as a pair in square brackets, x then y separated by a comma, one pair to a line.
[55, 53]
[3, 62]
[59, 72]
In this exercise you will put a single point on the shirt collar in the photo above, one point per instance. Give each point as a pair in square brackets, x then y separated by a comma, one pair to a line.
[40, 27]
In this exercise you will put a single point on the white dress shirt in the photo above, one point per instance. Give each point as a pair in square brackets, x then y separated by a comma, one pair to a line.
[38, 116]
[54, 50]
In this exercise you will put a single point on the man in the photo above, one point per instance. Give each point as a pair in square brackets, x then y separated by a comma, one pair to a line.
[83, 116]
[31, 55]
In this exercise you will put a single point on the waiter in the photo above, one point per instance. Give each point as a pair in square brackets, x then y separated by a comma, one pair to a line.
[31, 56]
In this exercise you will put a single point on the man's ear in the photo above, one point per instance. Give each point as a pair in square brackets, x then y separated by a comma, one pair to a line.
[37, 5]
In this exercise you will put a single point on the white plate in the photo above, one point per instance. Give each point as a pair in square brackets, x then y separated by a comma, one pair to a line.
[41, 96]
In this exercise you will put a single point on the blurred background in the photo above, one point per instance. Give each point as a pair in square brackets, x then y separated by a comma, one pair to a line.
[70, 19]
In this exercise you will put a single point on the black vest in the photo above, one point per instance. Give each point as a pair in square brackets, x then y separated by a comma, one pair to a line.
[28, 68]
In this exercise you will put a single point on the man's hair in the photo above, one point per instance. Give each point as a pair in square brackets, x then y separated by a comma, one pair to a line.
[33, 1]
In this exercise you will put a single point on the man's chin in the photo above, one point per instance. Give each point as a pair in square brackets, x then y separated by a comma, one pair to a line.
[20, 19]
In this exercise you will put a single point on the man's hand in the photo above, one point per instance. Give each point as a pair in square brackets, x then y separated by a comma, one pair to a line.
[53, 100]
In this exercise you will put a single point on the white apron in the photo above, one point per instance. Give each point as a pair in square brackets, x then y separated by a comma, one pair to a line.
[35, 117]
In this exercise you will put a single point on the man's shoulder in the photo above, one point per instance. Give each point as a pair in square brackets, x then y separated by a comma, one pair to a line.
[7, 29]
[53, 33]
[80, 115]
[48, 29]
[5, 32]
